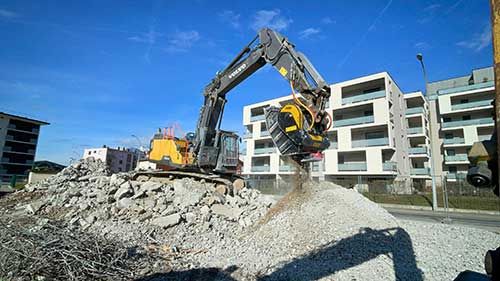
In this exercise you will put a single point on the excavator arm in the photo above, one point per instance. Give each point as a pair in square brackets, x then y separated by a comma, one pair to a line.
[298, 130]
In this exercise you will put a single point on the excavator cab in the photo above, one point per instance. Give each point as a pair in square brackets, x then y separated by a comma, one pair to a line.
[227, 161]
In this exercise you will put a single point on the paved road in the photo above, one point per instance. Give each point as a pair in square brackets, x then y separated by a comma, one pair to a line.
[487, 222]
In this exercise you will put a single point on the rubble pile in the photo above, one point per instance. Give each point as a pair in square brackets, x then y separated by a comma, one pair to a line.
[92, 197]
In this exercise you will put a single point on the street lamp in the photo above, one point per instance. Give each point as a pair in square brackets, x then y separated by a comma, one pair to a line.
[420, 57]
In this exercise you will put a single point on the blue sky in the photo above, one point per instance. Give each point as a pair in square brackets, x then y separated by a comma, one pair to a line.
[100, 71]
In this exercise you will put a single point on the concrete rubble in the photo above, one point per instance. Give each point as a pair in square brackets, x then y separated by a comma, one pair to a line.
[325, 232]
[92, 196]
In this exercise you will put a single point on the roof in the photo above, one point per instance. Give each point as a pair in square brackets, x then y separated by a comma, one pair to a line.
[24, 118]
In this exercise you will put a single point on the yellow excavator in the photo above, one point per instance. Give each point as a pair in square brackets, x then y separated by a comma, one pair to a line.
[298, 129]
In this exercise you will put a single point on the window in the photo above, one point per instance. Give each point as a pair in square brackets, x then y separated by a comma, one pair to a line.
[120, 162]
[450, 152]
[341, 159]
[368, 112]
[452, 169]
[90, 152]
[466, 117]
[448, 136]
[374, 135]
[446, 119]
[464, 101]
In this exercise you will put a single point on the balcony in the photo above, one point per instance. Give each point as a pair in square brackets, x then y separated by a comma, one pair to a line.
[370, 142]
[461, 123]
[247, 135]
[415, 110]
[415, 130]
[456, 158]
[260, 168]
[455, 140]
[11, 138]
[419, 171]
[363, 97]
[472, 104]
[353, 121]
[333, 145]
[355, 166]
[264, 133]
[286, 168]
[257, 118]
[484, 137]
[3, 172]
[417, 150]
[389, 166]
[265, 150]
[466, 88]
[33, 130]
[454, 176]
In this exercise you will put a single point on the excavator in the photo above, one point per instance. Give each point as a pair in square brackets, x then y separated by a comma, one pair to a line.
[297, 129]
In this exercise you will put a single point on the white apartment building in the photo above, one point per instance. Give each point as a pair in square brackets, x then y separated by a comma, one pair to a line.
[118, 160]
[18, 142]
[368, 136]
[463, 109]
[379, 133]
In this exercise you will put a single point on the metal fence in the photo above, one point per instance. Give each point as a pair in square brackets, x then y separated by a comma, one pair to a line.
[453, 193]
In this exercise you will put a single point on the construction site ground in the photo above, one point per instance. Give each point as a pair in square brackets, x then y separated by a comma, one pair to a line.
[87, 224]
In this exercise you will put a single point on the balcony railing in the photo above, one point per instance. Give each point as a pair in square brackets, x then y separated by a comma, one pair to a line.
[415, 130]
[389, 166]
[414, 110]
[417, 150]
[460, 123]
[265, 150]
[3, 172]
[260, 168]
[364, 97]
[484, 137]
[370, 142]
[264, 133]
[359, 166]
[7, 148]
[455, 140]
[456, 158]
[466, 88]
[333, 145]
[419, 171]
[286, 168]
[479, 103]
[353, 121]
[454, 176]
[257, 118]
[247, 136]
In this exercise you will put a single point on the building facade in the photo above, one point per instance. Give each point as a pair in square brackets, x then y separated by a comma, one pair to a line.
[118, 160]
[381, 134]
[18, 143]
[369, 135]
[462, 113]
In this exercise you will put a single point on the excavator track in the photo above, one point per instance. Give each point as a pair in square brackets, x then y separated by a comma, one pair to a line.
[182, 174]
[283, 142]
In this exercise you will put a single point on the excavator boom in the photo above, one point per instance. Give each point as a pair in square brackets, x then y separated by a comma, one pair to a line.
[297, 129]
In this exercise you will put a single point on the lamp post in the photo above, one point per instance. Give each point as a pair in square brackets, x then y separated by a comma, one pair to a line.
[420, 57]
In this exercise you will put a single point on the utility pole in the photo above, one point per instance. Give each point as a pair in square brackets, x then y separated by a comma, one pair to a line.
[420, 57]
[495, 33]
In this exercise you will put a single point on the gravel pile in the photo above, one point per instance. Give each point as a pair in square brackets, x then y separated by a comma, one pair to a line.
[322, 232]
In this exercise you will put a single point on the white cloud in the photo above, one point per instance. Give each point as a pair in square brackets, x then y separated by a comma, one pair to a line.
[422, 46]
[327, 20]
[307, 33]
[6, 14]
[230, 17]
[148, 37]
[182, 41]
[271, 19]
[432, 8]
[479, 41]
